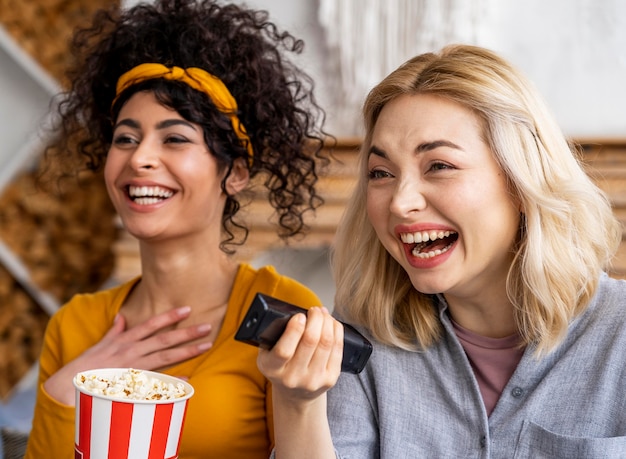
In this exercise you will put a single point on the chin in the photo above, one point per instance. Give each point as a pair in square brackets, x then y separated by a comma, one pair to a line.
[141, 235]
[430, 284]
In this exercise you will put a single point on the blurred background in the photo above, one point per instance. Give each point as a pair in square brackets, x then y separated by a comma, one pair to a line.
[53, 246]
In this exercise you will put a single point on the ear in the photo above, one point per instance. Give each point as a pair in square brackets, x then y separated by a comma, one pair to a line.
[238, 178]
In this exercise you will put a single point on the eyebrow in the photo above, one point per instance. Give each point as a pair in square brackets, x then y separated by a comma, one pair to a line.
[161, 125]
[421, 148]
[427, 146]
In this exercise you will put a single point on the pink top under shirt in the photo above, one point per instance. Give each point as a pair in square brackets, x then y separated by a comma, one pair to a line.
[493, 360]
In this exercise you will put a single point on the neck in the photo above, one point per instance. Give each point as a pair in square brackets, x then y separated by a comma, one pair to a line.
[490, 318]
[197, 277]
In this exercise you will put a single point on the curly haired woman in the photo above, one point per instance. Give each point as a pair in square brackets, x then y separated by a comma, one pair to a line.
[181, 103]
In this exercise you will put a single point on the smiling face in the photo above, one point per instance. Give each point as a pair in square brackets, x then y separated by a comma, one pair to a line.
[438, 200]
[160, 175]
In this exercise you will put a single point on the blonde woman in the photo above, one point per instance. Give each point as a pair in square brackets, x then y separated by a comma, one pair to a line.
[472, 254]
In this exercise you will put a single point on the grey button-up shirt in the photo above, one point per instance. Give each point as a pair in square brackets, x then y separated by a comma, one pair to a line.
[569, 404]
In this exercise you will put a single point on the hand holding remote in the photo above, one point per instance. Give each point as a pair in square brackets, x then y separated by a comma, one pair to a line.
[267, 318]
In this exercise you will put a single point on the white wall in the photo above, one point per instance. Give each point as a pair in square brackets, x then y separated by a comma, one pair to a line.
[574, 51]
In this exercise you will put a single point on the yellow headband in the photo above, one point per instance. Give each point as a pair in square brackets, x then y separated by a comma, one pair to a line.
[198, 79]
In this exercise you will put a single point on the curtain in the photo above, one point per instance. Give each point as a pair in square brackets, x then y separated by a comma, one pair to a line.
[370, 38]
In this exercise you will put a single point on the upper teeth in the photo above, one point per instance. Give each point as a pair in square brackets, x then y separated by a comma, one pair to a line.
[424, 236]
[155, 191]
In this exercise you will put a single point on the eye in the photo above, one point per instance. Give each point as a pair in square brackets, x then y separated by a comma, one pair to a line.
[176, 139]
[438, 166]
[376, 174]
[123, 139]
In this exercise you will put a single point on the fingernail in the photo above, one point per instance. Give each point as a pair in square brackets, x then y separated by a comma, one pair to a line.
[301, 318]
[205, 346]
[183, 311]
[204, 328]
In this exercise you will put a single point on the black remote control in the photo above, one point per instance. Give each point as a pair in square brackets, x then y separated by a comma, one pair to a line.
[267, 318]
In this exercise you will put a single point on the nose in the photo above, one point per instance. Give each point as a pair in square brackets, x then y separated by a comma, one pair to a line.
[145, 156]
[408, 196]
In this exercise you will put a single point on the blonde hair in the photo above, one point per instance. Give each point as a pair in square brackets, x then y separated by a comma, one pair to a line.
[568, 231]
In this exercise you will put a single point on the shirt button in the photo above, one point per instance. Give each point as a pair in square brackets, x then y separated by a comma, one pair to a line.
[483, 441]
[517, 392]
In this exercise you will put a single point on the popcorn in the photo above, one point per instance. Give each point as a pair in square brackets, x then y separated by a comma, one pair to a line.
[131, 385]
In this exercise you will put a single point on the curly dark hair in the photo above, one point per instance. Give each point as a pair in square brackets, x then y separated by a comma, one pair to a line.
[246, 51]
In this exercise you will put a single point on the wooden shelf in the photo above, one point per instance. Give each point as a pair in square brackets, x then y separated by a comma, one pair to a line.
[51, 245]
[20, 154]
[27, 90]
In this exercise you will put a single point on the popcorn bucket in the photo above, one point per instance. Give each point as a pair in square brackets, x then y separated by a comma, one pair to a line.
[109, 425]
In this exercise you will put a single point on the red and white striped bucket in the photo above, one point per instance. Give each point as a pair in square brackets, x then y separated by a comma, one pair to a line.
[114, 428]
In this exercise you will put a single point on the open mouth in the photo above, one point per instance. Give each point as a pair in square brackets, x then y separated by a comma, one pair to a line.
[147, 195]
[429, 244]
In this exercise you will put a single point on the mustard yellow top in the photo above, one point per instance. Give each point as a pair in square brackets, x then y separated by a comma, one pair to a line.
[230, 414]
